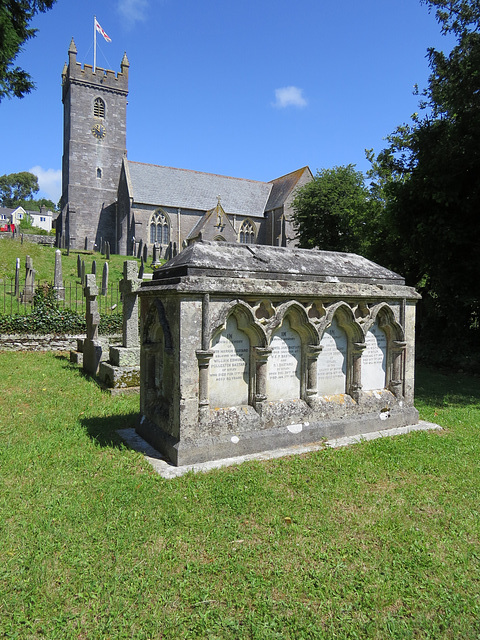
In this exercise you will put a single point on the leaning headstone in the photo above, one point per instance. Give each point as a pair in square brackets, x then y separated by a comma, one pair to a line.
[145, 252]
[79, 266]
[105, 279]
[141, 270]
[92, 350]
[29, 289]
[57, 278]
[86, 243]
[107, 250]
[123, 368]
[140, 249]
[94, 267]
[17, 277]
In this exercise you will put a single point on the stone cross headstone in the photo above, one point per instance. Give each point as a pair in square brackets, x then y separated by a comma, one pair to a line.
[57, 278]
[92, 351]
[29, 289]
[128, 288]
[79, 266]
[105, 279]
[145, 252]
[17, 277]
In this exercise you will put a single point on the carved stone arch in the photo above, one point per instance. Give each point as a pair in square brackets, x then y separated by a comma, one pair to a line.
[302, 323]
[383, 315]
[245, 319]
[346, 319]
[355, 342]
[155, 317]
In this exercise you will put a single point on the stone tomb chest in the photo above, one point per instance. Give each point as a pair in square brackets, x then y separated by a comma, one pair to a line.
[247, 348]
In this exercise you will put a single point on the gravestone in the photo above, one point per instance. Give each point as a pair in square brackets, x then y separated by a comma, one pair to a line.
[29, 289]
[82, 278]
[145, 253]
[251, 348]
[92, 350]
[140, 249]
[94, 267]
[86, 244]
[79, 266]
[58, 278]
[122, 371]
[107, 250]
[105, 279]
[17, 277]
[157, 254]
[142, 269]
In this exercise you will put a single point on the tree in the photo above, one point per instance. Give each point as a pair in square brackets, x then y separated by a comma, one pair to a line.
[429, 175]
[15, 188]
[15, 17]
[332, 211]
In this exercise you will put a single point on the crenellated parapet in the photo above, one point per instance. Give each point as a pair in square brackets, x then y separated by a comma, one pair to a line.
[106, 79]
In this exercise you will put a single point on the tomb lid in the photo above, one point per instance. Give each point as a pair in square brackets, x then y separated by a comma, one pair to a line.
[233, 260]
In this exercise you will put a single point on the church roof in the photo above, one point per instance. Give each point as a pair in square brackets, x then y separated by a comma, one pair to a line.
[166, 186]
[282, 187]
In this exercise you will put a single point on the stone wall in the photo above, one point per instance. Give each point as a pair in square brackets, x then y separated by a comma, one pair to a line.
[49, 342]
[30, 237]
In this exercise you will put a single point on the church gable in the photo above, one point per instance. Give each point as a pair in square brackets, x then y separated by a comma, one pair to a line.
[215, 225]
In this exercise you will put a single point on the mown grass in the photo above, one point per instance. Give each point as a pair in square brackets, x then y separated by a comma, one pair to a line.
[43, 258]
[383, 540]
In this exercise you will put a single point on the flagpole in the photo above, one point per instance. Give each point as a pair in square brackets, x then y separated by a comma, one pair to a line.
[94, 43]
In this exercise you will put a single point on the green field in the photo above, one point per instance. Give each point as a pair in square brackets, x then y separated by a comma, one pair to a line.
[378, 540]
[44, 261]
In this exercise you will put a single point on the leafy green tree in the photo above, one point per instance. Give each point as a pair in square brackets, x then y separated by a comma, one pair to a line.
[16, 188]
[15, 17]
[429, 178]
[332, 211]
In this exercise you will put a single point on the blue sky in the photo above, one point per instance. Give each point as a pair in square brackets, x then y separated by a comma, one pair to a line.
[252, 89]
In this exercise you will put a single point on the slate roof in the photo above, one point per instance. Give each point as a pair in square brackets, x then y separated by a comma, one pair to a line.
[166, 186]
[222, 259]
[281, 188]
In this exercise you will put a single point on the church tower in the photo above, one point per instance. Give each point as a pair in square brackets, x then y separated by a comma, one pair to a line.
[94, 144]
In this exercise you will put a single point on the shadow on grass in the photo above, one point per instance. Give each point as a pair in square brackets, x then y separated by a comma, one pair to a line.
[446, 388]
[103, 430]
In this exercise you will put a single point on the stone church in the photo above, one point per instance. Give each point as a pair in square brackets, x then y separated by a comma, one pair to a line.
[106, 197]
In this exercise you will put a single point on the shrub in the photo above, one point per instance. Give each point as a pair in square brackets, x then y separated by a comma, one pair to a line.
[49, 317]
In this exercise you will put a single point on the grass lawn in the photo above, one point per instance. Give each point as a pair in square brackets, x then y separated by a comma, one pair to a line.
[383, 540]
[43, 258]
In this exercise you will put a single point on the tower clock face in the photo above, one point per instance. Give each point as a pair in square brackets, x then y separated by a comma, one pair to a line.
[99, 131]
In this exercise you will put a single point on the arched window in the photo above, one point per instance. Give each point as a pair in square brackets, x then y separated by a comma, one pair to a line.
[99, 108]
[99, 172]
[159, 228]
[247, 232]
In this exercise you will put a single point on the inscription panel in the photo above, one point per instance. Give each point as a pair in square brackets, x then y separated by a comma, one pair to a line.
[229, 367]
[374, 359]
[332, 361]
[283, 366]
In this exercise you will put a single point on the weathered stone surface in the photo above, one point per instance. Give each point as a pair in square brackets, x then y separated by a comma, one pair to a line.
[250, 348]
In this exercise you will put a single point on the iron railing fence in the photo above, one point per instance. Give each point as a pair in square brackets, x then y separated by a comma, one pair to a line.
[21, 302]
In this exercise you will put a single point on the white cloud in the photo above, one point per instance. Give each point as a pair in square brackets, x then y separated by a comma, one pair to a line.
[49, 181]
[289, 97]
[133, 10]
